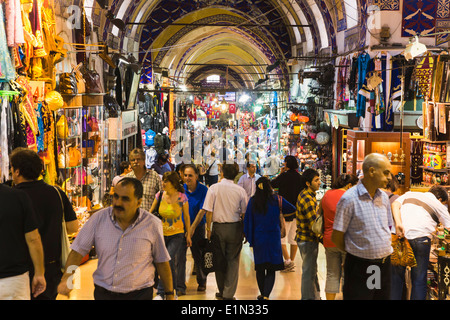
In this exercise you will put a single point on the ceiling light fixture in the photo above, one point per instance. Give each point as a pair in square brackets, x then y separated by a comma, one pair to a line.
[414, 49]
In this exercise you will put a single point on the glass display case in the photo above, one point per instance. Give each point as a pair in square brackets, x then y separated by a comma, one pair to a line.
[82, 152]
[394, 145]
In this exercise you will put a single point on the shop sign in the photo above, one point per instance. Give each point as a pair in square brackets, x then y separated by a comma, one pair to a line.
[38, 90]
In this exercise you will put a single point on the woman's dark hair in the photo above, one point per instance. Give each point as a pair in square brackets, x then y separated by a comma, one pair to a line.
[291, 162]
[124, 165]
[138, 188]
[28, 162]
[343, 180]
[262, 196]
[174, 178]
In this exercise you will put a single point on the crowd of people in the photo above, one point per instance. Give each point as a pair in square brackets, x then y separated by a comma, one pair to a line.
[142, 239]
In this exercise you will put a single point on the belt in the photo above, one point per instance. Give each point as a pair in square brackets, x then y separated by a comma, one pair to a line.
[379, 261]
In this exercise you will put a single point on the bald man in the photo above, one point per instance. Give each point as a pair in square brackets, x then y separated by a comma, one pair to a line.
[362, 228]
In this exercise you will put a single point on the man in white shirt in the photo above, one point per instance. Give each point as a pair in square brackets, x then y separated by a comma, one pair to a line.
[247, 181]
[416, 216]
[225, 205]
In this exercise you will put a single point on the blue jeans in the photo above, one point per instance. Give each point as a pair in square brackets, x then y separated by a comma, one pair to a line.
[174, 245]
[421, 248]
[310, 283]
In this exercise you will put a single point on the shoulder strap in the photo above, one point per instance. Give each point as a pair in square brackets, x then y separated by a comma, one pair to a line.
[423, 205]
[62, 204]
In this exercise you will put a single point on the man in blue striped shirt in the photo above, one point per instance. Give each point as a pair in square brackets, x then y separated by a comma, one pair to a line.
[362, 228]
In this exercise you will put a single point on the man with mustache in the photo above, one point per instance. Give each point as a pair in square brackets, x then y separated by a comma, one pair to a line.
[130, 246]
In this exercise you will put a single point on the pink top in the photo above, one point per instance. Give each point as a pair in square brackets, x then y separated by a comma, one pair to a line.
[329, 203]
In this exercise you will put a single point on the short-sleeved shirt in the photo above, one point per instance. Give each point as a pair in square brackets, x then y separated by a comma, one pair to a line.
[49, 210]
[172, 215]
[366, 222]
[226, 200]
[196, 200]
[125, 258]
[17, 217]
[151, 183]
[329, 202]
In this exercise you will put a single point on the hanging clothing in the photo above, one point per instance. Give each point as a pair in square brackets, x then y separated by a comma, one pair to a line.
[363, 63]
[7, 71]
[4, 165]
[14, 25]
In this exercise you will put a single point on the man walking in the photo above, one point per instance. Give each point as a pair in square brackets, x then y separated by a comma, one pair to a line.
[130, 245]
[225, 205]
[362, 229]
[247, 180]
[307, 241]
[416, 215]
[20, 240]
[150, 179]
[49, 206]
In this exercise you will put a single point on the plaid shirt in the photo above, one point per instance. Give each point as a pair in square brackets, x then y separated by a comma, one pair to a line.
[306, 214]
[152, 184]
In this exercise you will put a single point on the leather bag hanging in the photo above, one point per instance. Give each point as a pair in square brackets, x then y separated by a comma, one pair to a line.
[68, 83]
[403, 254]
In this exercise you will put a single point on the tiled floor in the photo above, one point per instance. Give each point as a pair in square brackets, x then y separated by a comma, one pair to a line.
[287, 285]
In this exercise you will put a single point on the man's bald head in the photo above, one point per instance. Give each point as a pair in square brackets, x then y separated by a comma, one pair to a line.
[374, 160]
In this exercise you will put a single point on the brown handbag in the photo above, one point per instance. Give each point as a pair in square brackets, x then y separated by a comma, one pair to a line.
[92, 81]
[403, 254]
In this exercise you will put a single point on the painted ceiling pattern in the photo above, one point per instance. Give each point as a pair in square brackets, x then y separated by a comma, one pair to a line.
[160, 45]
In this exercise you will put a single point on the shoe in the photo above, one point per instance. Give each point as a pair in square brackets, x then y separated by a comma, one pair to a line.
[289, 268]
[181, 293]
[158, 297]
[219, 296]
[201, 288]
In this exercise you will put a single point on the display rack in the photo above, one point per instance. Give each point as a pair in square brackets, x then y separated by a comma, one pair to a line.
[438, 277]
[82, 152]
[394, 145]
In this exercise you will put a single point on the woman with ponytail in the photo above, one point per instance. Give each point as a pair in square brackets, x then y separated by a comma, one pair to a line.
[263, 229]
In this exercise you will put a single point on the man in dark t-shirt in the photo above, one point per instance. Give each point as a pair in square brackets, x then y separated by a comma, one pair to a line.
[20, 240]
[49, 203]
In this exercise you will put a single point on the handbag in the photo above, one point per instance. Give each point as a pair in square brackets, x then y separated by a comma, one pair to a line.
[65, 243]
[92, 81]
[403, 254]
[318, 225]
[68, 83]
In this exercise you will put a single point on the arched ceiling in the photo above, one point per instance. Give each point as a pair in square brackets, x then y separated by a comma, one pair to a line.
[237, 39]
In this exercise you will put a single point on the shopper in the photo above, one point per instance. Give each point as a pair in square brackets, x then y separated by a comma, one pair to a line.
[20, 240]
[263, 227]
[247, 181]
[196, 193]
[212, 171]
[334, 256]
[362, 228]
[289, 183]
[130, 245]
[416, 215]
[307, 241]
[125, 168]
[162, 164]
[392, 188]
[174, 212]
[225, 205]
[150, 180]
[49, 206]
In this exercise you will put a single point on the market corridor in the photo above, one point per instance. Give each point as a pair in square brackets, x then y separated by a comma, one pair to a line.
[287, 285]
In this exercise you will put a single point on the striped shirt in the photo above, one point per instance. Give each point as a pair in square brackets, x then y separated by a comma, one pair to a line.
[152, 184]
[366, 222]
[125, 258]
[306, 214]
